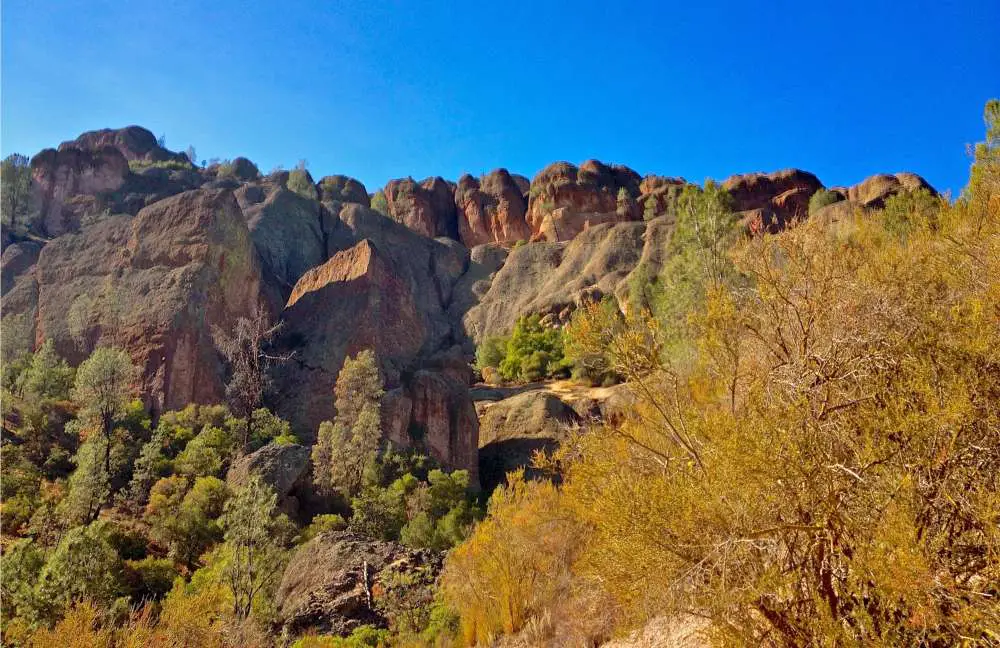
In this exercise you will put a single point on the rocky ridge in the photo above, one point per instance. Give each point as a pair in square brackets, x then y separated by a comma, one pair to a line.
[135, 245]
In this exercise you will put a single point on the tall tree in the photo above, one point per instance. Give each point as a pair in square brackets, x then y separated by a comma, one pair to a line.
[105, 384]
[345, 446]
[246, 350]
[254, 533]
[15, 190]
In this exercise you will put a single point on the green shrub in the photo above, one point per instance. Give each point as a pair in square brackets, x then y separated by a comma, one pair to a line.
[533, 351]
[323, 524]
[176, 165]
[821, 199]
[380, 203]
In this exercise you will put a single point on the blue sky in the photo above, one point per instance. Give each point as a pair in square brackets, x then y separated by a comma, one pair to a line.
[383, 90]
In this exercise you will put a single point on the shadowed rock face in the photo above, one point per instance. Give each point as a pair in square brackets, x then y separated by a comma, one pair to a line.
[513, 429]
[323, 589]
[433, 412]
[427, 208]
[385, 288]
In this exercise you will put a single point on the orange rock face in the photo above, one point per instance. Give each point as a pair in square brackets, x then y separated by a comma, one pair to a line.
[591, 188]
[59, 177]
[770, 201]
[427, 208]
[154, 285]
[491, 210]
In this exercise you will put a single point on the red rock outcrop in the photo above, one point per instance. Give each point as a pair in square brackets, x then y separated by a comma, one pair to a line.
[343, 189]
[154, 284]
[69, 184]
[591, 188]
[427, 208]
[770, 201]
[434, 413]
[134, 143]
[872, 192]
[491, 209]
[658, 195]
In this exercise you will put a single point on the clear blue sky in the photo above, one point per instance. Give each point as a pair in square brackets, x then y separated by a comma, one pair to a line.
[382, 90]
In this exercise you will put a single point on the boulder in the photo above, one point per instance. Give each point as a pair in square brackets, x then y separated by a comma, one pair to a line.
[154, 284]
[491, 209]
[872, 192]
[593, 187]
[331, 582]
[771, 201]
[279, 466]
[341, 188]
[17, 258]
[514, 429]
[383, 288]
[554, 278]
[57, 177]
[133, 142]
[427, 208]
[245, 170]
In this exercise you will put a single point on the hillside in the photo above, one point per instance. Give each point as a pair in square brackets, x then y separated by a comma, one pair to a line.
[769, 407]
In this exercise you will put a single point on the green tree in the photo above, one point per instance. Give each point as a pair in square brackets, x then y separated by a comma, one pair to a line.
[185, 520]
[90, 483]
[83, 566]
[347, 445]
[380, 203]
[255, 535]
[821, 198]
[15, 191]
[48, 376]
[533, 351]
[104, 387]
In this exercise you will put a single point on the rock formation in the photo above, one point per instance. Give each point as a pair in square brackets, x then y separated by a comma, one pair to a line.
[770, 201]
[154, 284]
[328, 584]
[427, 208]
[492, 209]
[591, 188]
[72, 183]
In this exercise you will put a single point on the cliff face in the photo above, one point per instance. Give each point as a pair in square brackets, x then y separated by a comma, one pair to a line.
[138, 248]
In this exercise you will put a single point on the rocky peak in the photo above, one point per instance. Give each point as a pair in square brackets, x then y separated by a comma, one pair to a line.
[491, 210]
[133, 142]
[427, 208]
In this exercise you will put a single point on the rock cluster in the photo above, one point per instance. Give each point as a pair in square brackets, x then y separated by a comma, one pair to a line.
[330, 584]
[135, 246]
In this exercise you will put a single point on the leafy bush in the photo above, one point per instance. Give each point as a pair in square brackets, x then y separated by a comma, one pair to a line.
[175, 165]
[821, 198]
[532, 352]
[380, 203]
[300, 182]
